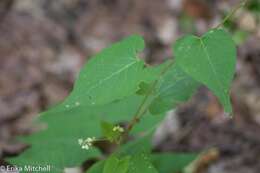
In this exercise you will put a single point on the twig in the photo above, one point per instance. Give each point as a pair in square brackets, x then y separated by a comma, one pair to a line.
[237, 7]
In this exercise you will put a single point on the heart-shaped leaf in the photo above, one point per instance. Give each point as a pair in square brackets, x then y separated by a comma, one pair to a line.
[209, 59]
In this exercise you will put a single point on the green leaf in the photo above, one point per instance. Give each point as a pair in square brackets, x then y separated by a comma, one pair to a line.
[116, 165]
[175, 87]
[116, 69]
[209, 59]
[172, 162]
[109, 133]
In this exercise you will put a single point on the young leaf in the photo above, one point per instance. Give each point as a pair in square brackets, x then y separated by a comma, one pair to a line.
[209, 59]
[116, 69]
[116, 165]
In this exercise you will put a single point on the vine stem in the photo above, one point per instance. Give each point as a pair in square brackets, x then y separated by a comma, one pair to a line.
[142, 109]
[234, 10]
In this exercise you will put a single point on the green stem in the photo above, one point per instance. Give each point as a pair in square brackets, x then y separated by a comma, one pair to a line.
[142, 109]
[234, 10]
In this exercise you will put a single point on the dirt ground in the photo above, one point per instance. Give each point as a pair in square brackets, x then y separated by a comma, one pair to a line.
[44, 43]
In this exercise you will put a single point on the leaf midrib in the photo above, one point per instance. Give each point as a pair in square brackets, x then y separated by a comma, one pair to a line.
[112, 75]
[108, 77]
[211, 64]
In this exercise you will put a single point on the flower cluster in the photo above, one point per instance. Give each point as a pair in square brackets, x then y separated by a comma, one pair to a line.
[87, 143]
[118, 129]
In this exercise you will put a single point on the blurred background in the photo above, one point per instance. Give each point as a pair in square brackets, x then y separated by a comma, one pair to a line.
[44, 43]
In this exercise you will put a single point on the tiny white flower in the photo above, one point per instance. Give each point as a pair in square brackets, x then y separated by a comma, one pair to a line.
[118, 128]
[87, 143]
[80, 141]
[85, 147]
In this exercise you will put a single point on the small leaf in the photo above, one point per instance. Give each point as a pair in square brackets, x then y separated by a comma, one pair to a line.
[116, 165]
[209, 59]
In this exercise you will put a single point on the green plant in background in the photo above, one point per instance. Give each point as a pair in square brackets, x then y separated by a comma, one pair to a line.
[117, 96]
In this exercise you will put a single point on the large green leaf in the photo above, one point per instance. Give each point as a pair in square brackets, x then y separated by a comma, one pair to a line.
[209, 59]
[116, 68]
